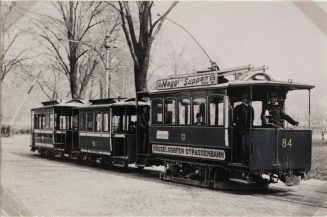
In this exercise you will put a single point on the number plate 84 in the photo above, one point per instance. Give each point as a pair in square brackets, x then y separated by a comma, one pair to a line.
[287, 142]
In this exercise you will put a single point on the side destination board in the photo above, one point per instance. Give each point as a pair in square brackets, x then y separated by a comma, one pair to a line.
[189, 81]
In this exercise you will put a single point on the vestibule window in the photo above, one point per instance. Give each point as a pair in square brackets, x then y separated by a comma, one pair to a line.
[105, 126]
[51, 121]
[216, 111]
[184, 108]
[90, 122]
[98, 122]
[157, 111]
[82, 122]
[199, 111]
[170, 111]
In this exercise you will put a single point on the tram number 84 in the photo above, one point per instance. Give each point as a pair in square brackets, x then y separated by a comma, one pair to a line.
[286, 143]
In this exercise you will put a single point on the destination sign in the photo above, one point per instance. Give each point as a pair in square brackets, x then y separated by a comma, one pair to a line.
[214, 154]
[190, 81]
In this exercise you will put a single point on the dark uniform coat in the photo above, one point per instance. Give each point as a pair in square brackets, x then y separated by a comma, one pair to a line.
[243, 117]
[276, 114]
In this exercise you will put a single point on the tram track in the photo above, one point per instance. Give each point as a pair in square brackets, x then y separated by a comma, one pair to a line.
[151, 174]
[306, 199]
[295, 201]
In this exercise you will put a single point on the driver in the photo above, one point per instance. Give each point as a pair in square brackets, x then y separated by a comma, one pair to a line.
[276, 114]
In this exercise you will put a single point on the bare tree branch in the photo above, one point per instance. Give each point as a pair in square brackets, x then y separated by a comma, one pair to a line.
[140, 50]
[162, 19]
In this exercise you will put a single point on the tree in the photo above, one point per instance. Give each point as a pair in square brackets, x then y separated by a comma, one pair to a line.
[9, 57]
[140, 48]
[68, 40]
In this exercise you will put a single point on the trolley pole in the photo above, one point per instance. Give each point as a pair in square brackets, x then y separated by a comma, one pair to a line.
[19, 108]
[107, 46]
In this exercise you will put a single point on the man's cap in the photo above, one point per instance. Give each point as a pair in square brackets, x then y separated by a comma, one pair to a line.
[198, 115]
[273, 95]
[245, 95]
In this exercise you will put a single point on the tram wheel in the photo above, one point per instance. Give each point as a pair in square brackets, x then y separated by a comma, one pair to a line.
[140, 168]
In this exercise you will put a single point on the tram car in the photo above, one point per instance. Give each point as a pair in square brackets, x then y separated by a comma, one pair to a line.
[191, 132]
[107, 132]
[102, 130]
[52, 127]
[205, 150]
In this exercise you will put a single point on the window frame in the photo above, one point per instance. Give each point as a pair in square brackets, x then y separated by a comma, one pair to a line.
[108, 121]
[164, 111]
[87, 122]
[80, 127]
[190, 114]
[51, 121]
[223, 111]
[96, 124]
[206, 111]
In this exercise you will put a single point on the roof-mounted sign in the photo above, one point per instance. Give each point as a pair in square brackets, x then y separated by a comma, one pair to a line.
[187, 81]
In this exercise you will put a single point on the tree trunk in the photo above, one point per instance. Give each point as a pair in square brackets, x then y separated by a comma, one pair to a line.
[141, 70]
[140, 74]
[101, 89]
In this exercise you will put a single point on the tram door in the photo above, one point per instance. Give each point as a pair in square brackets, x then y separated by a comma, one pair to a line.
[63, 129]
[75, 142]
[123, 134]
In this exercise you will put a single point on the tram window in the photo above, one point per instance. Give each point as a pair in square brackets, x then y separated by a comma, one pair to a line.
[131, 126]
[62, 122]
[75, 122]
[169, 111]
[56, 123]
[98, 122]
[157, 112]
[47, 124]
[216, 111]
[35, 122]
[51, 121]
[66, 122]
[105, 122]
[199, 111]
[69, 122]
[90, 122]
[43, 121]
[117, 124]
[257, 107]
[184, 108]
[83, 122]
[40, 121]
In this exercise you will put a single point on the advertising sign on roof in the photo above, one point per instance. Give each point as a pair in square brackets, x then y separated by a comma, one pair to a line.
[190, 81]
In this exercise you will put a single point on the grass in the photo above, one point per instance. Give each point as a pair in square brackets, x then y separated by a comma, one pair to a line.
[319, 160]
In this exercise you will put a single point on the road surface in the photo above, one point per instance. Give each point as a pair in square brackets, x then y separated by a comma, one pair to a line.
[35, 186]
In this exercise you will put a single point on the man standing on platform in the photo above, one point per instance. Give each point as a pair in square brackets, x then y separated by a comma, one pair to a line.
[243, 121]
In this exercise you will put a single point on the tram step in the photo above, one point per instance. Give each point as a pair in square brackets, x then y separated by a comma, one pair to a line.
[237, 165]
[119, 162]
[141, 162]
[242, 181]
[74, 155]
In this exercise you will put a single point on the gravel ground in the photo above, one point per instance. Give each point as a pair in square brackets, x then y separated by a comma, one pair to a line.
[319, 160]
[34, 186]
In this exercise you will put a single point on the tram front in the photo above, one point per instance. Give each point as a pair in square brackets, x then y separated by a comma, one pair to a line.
[275, 144]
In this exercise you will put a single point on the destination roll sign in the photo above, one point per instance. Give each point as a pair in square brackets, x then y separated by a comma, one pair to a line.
[189, 81]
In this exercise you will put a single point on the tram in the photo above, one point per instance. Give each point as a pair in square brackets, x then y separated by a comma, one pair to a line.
[206, 154]
[191, 130]
[107, 131]
[53, 127]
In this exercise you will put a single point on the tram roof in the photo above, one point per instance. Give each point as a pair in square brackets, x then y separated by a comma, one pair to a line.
[74, 103]
[244, 76]
[126, 102]
[286, 85]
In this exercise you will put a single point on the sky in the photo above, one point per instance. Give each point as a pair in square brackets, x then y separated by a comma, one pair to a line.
[277, 34]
